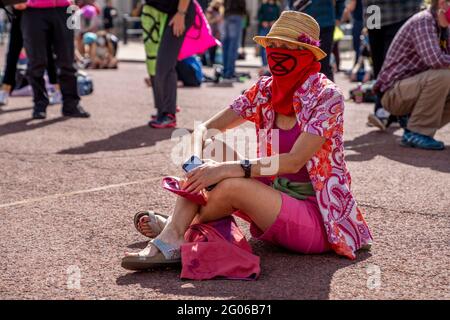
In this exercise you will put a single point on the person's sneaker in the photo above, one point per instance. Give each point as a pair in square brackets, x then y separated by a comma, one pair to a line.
[375, 121]
[77, 112]
[420, 141]
[39, 115]
[164, 121]
[55, 97]
[155, 116]
[3, 98]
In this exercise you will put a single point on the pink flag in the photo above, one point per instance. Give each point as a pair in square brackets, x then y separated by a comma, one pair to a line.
[199, 37]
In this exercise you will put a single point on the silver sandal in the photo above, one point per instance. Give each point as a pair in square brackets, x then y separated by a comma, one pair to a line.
[168, 256]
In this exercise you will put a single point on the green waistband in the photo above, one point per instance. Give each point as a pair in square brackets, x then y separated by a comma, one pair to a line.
[297, 190]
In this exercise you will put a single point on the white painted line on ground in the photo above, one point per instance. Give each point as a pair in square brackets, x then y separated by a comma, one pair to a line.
[74, 193]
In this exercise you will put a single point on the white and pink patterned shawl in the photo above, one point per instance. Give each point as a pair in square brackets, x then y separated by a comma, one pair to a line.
[319, 108]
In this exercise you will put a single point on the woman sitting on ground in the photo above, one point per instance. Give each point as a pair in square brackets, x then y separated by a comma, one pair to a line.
[298, 114]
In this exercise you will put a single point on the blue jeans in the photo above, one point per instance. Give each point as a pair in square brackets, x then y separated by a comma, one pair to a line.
[231, 41]
[263, 32]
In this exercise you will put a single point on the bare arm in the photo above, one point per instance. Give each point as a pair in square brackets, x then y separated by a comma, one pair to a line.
[20, 6]
[304, 148]
[225, 119]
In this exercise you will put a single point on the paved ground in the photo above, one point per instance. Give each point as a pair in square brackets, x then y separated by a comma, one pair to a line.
[69, 188]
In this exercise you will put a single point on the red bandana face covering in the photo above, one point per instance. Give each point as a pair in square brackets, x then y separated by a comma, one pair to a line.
[290, 69]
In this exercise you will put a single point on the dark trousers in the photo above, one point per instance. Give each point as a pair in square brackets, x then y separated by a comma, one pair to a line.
[356, 35]
[326, 44]
[212, 54]
[337, 55]
[164, 83]
[380, 41]
[15, 47]
[49, 26]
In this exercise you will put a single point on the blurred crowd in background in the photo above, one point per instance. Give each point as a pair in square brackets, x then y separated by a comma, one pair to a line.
[231, 24]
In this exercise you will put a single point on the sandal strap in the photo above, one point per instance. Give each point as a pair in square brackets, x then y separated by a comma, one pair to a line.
[153, 221]
[169, 251]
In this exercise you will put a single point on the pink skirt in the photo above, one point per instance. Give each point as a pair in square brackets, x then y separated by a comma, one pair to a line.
[299, 227]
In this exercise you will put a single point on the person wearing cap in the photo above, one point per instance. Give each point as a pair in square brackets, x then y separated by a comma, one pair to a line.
[45, 22]
[296, 193]
[415, 78]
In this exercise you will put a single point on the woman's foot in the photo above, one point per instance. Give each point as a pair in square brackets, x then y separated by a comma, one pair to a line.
[169, 237]
[145, 228]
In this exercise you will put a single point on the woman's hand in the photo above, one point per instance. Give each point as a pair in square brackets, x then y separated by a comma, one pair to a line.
[208, 174]
[20, 6]
[178, 24]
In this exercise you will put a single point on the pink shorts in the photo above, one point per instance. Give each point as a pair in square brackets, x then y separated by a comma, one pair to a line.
[299, 227]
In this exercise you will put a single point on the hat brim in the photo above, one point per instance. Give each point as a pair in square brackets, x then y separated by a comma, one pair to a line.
[262, 40]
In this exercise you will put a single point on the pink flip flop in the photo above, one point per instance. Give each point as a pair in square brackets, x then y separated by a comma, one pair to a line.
[173, 185]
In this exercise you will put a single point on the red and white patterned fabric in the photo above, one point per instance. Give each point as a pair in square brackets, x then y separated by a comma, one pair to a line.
[319, 108]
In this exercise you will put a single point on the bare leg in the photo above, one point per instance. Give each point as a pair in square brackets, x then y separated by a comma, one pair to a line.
[182, 206]
[185, 211]
[229, 195]
[80, 45]
[245, 195]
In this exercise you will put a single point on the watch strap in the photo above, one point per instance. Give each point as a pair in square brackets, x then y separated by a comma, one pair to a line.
[247, 167]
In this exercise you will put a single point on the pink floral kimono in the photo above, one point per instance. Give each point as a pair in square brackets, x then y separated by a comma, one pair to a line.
[319, 108]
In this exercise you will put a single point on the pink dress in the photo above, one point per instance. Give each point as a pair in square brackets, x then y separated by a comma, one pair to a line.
[319, 108]
[299, 226]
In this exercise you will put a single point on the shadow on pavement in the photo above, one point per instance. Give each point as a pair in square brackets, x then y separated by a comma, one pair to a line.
[27, 125]
[385, 144]
[284, 275]
[134, 138]
[2, 111]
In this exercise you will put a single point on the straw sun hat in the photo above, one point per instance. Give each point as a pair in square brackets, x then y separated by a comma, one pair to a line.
[295, 28]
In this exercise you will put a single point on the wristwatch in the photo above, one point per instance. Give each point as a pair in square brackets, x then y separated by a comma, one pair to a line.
[247, 167]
